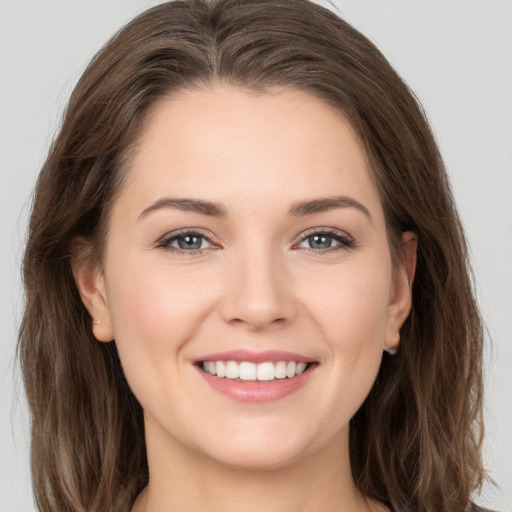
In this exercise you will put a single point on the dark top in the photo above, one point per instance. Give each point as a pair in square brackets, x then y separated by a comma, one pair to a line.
[476, 508]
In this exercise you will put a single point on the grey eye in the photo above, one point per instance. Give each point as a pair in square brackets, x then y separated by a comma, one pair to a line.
[185, 242]
[320, 241]
[192, 242]
[324, 240]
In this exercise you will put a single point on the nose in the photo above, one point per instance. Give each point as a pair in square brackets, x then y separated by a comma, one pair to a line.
[259, 292]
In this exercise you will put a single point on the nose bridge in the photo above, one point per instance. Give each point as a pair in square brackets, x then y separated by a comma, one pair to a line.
[258, 293]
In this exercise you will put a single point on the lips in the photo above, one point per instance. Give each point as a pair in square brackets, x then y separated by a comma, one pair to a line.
[249, 376]
[240, 355]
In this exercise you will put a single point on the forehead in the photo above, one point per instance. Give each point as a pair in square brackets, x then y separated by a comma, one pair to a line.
[244, 145]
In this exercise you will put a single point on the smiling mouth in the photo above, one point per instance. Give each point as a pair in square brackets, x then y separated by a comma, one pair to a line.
[246, 371]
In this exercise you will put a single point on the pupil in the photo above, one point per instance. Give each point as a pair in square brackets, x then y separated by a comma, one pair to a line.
[189, 242]
[320, 241]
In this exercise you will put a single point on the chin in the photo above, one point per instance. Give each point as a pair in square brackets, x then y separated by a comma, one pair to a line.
[256, 459]
[277, 450]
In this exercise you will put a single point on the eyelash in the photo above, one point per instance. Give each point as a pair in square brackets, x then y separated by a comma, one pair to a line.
[166, 241]
[345, 242]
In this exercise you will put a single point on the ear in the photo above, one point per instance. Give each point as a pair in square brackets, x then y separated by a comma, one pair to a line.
[90, 281]
[401, 291]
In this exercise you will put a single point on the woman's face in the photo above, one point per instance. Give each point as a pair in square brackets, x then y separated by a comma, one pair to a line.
[249, 231]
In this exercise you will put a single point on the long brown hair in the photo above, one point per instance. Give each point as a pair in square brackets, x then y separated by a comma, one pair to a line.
[415, 442]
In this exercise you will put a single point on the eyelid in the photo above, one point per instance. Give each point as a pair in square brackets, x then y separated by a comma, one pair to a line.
[345, 241]
[165, 241]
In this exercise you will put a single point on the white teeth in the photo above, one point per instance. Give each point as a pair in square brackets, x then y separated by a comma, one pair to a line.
[221, 368]
[280, 370]
[231, 370]
[246, 370]
[266, 371]
[290, 369]
[300, 368]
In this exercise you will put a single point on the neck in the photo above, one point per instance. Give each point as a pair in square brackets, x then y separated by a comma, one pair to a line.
[183, 480]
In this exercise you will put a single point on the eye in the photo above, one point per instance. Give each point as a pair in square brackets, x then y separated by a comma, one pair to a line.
[189, 242]
[325, 240]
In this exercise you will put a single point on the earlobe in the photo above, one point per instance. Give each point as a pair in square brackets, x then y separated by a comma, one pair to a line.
[90, 282]
[401, 300]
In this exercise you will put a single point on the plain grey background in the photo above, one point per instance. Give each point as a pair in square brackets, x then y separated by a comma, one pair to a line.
[455, 54]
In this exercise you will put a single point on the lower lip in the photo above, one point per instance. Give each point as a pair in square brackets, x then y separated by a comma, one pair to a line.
[257, 391]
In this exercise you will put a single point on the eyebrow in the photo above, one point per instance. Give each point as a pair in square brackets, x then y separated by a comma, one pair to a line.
[188, 205]
[301, 208]
[298, 209]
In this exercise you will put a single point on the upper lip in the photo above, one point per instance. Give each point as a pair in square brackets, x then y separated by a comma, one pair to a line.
[240, 355]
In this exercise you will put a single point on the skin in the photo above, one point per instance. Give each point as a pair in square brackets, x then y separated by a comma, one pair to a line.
[257, 284]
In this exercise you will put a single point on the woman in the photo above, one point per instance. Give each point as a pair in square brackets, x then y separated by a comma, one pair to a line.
[247, 284]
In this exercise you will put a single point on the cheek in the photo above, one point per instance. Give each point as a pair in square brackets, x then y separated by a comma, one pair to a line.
[351, 314]
[351, 303]
[155, 312]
